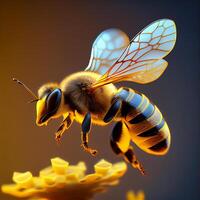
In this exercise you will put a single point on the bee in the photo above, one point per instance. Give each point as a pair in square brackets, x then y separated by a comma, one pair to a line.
[90, 96]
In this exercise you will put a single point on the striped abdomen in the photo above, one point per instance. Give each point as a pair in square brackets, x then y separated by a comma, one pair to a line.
[147, 127]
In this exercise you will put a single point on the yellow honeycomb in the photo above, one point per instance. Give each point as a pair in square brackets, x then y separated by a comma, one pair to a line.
[62, 181]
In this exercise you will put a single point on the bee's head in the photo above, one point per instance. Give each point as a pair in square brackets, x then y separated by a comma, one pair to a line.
[49, 101]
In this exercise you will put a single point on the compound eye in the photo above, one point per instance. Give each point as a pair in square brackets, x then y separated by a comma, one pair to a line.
[53, 100]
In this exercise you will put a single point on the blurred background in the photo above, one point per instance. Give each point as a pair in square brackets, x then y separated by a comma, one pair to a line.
[43, 41]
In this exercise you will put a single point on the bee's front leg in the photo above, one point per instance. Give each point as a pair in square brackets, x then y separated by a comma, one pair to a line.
[66, 123]
[86, 125]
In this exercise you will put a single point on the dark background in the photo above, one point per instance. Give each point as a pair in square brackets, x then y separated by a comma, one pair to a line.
[44, 41]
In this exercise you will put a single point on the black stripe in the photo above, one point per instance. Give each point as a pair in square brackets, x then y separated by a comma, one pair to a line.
[133, 112]
[115, 148]
[129, 155]
[148, 112]
[117, 132]
[153, 131]
[126, 107]
[112, 111]
[160, 146]
[127, 89]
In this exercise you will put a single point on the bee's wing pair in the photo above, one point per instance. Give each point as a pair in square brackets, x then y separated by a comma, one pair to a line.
[139, 60]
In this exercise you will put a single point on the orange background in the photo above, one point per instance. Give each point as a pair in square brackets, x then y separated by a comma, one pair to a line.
[43, 41]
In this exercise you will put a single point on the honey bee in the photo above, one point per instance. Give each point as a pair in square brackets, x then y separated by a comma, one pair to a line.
[90, 96]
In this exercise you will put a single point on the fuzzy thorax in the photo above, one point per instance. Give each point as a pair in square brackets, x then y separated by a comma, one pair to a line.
[79, 98]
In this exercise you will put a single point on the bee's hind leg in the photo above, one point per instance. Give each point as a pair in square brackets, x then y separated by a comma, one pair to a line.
[132, 159]
[86, 125]
[120, 143]
[66, 123]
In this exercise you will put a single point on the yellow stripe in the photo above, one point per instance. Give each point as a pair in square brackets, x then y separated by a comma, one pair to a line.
[162, 134]
[146, 124]
[124, 140]
[130, 96]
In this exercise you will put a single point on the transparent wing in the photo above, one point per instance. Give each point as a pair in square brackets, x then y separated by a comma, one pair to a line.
[151, 73]
[142, 61]
[106, 49]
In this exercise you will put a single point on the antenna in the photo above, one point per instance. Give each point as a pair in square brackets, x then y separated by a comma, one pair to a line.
[27, 89]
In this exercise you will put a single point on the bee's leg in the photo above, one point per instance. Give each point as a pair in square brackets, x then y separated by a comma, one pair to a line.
[120, 143]
[113, 110]
[66, 123]
[120, 138]
[86, 125]
[132, 159]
